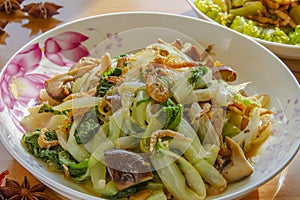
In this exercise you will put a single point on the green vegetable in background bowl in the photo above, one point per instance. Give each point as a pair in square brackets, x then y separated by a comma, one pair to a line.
[295, 36]
[270, 20]
[248, 8]
[249, 27]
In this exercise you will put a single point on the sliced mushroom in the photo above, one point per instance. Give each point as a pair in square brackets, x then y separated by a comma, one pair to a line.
[224, 72]
[238, 167]
[126, 168]
[59, 86]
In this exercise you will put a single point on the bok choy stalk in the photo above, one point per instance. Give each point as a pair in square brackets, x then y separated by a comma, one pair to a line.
[193, 178]
[97, 173]
[115, 125]
[182, 89]
[139, 108]
[75, 103]
[172, 178]
[157, 195]
[96, 167]
[108, 192]
[210, 174]
[78, 151]
[186, 129]
[201, 160]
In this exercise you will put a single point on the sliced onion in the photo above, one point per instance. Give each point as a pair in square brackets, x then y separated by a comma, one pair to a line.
[84, 102]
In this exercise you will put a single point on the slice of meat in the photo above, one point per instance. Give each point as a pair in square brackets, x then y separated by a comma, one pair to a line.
[126, 168]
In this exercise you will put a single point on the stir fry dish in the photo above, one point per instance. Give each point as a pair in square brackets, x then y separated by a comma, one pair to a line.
[271, 20]
[161, 123]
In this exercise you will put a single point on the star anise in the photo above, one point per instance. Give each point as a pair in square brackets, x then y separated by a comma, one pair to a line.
[3, 23]
[42, 10]
[10, 5]
[12, 190]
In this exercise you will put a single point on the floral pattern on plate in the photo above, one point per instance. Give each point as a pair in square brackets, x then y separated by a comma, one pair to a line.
[20, 82]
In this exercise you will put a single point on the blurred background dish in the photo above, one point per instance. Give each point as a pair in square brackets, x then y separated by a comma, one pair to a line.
[280, 49]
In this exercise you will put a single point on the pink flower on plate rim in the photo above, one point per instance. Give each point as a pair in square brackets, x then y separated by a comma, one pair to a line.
[65, 49]
[18, 83]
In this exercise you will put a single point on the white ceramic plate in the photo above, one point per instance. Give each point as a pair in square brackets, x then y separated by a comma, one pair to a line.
[281, 50]
[23, 76]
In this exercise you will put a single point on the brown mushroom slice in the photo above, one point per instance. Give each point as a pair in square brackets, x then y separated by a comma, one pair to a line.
[224, 72]
[238, 167]
[126, 168]
[58, 87]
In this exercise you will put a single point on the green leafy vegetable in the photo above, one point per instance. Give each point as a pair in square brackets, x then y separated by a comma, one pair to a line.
[30, 140]
[250, 28]
[275, 35]
[55, 155]
[242, 99]
[214, 11]
[295, 36]
[104, 85]
[245, 26]
[173, 114]
[75, 169]
[195, 78]
[124, 194]
[46, 108]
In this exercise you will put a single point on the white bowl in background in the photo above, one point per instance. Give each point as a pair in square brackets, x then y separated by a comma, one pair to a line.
[282, 50]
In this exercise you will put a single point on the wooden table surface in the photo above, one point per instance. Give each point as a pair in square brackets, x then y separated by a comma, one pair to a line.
[21, 29]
